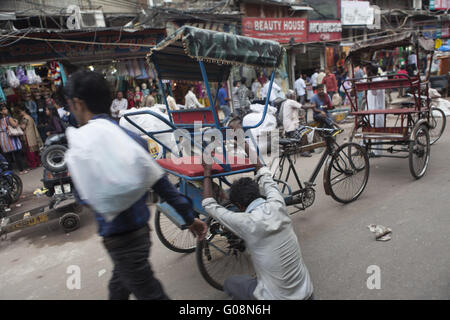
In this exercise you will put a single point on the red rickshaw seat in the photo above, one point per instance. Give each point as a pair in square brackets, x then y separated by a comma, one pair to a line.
[192, 166]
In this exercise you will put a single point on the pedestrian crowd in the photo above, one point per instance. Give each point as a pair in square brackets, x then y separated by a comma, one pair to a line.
[25, 125]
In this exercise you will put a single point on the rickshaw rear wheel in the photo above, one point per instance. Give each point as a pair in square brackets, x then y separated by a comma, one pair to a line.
[419, 151]
[171, 236]
[221, 254]
[438, 122]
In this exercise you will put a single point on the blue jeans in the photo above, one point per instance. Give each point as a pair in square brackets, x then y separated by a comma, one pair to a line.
[226, 111]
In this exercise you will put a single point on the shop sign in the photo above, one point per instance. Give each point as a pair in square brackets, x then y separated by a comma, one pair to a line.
[354, 13]
[324, 30]
[28, 50]
[278, 29]
[439, 4]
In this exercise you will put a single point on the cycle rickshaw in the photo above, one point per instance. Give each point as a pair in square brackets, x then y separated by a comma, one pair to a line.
[195, 54]
[406, 129]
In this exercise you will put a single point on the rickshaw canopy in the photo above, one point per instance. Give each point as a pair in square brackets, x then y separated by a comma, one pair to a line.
[178, 55]
[364, 50]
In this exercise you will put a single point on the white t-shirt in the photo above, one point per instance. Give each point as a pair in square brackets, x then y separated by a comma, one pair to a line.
[291, 110]
[191, 101]
[300, 86]
[276, 91]
[314, 79]
[118, 105]
[271, 241]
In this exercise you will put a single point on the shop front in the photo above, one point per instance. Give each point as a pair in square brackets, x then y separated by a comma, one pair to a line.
[52, 56]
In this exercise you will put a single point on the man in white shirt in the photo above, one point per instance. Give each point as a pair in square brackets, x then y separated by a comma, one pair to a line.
[118, 104]
[314, 79]
[291, 111]
[375, 101]
[256, 89]
[320, 76]
[171, 102]
[276, 91]
[190, 100]
[266, 228]
[300, 88]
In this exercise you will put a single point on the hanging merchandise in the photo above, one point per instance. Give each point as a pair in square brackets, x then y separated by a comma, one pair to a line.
[3, 81]
[137, 71]
[152, 72]
[2, 95]
[130, 69]
[12, 80]
[33, 78]
[63, 74]
[121, 69]
[54, 73]
[20, 73]
[143, 72]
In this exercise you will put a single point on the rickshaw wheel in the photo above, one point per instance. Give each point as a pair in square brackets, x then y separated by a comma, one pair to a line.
[437, 124]
[419, 151]
[174, 238]
[222, 254]
[347, 172]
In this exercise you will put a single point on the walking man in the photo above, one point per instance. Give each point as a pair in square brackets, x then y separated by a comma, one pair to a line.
[222, 96]
[127, 237]
[300, 88]
[330, 83]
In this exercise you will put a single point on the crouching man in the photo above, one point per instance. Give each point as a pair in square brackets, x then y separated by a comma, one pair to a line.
[265, 226]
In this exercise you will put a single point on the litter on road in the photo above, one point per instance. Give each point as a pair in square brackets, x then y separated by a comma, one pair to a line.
[382, 233]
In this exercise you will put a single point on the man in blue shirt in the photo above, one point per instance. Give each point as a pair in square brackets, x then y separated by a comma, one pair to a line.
[222, 96]
[126, 237]
[322, 103]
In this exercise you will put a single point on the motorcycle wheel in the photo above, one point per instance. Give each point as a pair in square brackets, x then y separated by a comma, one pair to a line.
[16, 188]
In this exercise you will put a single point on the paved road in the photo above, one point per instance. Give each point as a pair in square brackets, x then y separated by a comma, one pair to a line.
[336, 243]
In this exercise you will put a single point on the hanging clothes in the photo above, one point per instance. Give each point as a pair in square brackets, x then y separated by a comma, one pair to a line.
[54, 73]
[63, 74]
[11, 78]
[20, 74]
[2, 95]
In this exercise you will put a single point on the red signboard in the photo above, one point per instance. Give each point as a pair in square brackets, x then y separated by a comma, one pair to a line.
[278, 29]
[320, 30]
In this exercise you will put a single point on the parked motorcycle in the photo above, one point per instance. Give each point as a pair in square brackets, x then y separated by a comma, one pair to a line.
[11, 186]
[56, 177]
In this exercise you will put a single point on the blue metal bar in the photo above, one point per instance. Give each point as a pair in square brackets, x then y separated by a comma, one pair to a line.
[217, 175]
[266, 106]
[208, 91]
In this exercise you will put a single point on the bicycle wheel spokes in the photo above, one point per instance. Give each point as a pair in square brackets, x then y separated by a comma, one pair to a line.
[419, 153]
[437, 124]
[172, 237]
[221, 256]
[348, 172]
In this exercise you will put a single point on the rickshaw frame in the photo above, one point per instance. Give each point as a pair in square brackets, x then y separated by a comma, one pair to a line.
[414, 120]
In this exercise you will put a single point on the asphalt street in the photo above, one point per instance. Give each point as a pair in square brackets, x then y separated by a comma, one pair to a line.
[336, 244]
